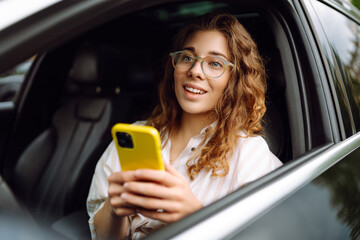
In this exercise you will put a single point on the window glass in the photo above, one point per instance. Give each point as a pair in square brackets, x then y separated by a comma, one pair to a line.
[344, 40]
[11, 80]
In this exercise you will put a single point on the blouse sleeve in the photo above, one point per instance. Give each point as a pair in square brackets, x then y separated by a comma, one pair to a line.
[107, 164]
[254, 160]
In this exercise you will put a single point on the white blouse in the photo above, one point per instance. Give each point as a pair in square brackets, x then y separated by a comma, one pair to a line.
[251, 159]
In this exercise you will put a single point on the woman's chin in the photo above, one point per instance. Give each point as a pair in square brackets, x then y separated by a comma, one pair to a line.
[196, 111]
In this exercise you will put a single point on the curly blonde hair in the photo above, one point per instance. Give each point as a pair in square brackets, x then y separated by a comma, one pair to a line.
[241, 106]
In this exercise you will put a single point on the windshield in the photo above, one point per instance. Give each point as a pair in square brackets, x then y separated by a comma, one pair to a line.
[12, 11]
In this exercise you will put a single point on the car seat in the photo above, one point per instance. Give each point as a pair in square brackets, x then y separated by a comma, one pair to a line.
[73, 143]
[275, 123]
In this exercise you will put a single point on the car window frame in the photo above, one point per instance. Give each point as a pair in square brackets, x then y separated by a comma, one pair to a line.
[59, 23]
[338, 96]
[343, 12]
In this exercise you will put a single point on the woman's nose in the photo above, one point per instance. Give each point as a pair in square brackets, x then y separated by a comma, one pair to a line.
[196, 71]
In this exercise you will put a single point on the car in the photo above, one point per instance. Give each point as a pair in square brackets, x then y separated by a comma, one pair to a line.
[96, 63]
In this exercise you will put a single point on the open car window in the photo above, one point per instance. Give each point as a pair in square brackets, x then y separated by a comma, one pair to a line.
[131, 43]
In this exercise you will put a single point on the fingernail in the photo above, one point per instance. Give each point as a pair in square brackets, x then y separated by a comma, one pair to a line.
[124, 196]
[126, 185]
[137, 173]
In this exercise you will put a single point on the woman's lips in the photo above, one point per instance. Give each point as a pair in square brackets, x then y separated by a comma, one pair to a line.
[194, 90]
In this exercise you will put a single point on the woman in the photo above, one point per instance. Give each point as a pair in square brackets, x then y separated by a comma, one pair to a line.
[212, 99]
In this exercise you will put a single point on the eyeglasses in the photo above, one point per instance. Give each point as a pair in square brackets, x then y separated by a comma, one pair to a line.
[212, 66]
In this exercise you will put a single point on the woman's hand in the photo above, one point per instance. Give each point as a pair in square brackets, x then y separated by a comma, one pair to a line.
[116, 189]
[161, 195]
[110, 221]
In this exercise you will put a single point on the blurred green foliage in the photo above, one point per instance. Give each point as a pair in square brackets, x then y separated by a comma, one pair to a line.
[356, 3]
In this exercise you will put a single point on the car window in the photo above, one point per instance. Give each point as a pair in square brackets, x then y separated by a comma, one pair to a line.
[344, 40]
[11, 80]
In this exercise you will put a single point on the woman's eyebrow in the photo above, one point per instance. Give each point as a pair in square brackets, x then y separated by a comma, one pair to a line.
[218, 54]
[192, 49]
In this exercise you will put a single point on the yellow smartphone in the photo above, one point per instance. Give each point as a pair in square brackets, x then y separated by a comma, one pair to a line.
[137, 146]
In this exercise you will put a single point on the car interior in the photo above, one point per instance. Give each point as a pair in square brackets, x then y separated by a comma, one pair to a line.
[82, 87]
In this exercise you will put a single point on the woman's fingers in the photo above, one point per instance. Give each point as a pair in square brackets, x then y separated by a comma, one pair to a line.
[148, 175]
[120, 207]
[146, 191]
[115, 190]
[169, 177]
[151, 189]
[117, 202]
[163, 177]
[153, 176]
[150, 203]
[121, 177]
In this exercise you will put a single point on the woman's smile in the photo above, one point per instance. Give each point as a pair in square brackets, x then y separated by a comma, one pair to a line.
[194, 89]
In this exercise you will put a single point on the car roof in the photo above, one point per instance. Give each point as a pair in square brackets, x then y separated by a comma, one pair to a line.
[10, 12]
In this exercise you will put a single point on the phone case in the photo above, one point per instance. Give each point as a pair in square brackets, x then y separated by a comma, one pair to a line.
[137, 146]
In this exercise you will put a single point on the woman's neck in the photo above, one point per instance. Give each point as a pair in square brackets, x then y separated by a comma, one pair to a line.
[191, 125]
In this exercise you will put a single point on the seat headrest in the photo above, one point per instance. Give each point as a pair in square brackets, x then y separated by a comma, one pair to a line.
[97, 69]
[85, 69]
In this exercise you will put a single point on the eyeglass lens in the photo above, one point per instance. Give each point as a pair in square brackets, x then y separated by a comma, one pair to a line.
[211, 66]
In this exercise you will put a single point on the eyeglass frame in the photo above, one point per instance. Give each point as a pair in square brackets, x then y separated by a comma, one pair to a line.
[227, 63]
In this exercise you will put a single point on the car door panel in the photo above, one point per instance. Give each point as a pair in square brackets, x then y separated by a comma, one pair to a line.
[233, 214]
[325, 208]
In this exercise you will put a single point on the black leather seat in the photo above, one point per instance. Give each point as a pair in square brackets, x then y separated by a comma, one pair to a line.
[53, 175]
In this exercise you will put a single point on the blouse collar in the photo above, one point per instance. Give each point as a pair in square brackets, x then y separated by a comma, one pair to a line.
[204, 130]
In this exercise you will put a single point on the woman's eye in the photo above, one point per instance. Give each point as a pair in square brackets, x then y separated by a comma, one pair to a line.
[216, 64]
[187, 58]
